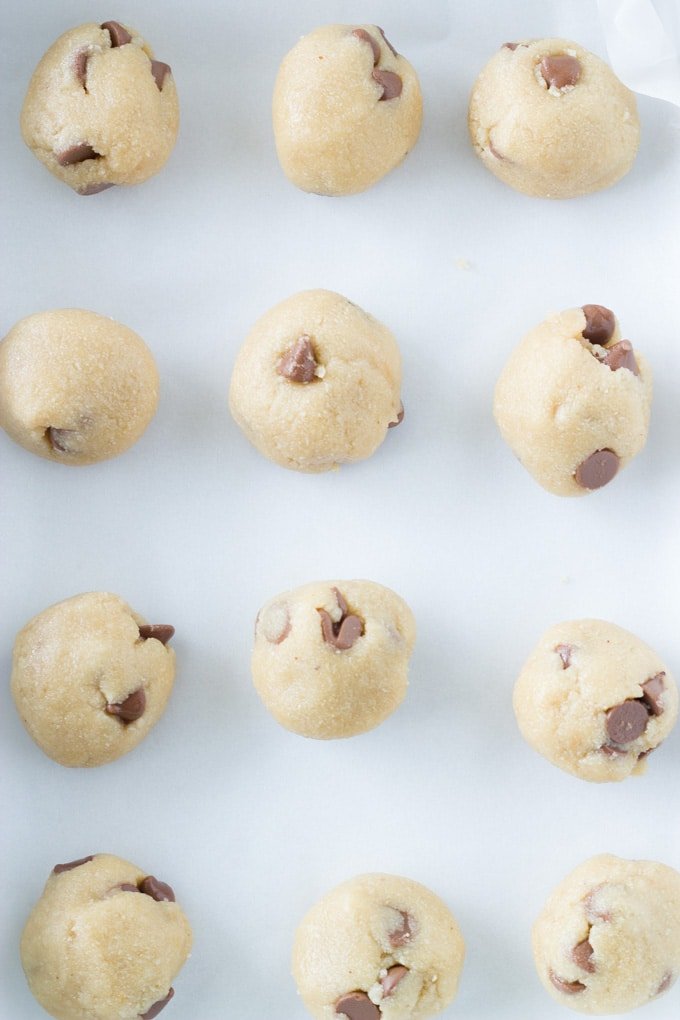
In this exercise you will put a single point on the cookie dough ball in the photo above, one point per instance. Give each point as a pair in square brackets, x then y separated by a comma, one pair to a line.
[90, 678]
[104, 942]
[331, 658]
[595, 700]
[378, 946]
[553, 120]
[75, 387]
[100, 110]
[347, 109]
[316, 384]
[573, 401]
[608, 939]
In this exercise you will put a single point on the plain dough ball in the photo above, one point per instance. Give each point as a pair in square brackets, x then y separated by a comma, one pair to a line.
[595, 700]
[378, 946]
[347, 109]
[90, 678]
[552, 119]
[100, 110]
[316, 383]
[608, 939]
[574, 411]
[331, 658]
[75, 387]
[104, 942]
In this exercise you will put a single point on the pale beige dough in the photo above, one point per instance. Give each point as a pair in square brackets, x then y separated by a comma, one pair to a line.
[95, 950]
[608, 938]
[90, 679]
[388, 940]
[595, 700]
[339, 123]
[323, 675]
[550, 139]
[75, 387]
[99, 110]
[557, 403]
[350, 398]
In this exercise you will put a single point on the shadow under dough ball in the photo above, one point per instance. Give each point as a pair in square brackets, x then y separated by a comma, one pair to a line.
[100, 110]
[347, 109]
[105, 941]
[90, 678]
[75, 387]
[573, 401]
[552, 120]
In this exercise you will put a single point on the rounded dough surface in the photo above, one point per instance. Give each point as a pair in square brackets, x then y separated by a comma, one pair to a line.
[608, 938]
[75, 387]
[316, 383]
[104, 942]
[100, 110]
[551, 119]
[574, 411]
[331, 658]
[595, 700]
[347, 109]
[90, 678]
[378, 946]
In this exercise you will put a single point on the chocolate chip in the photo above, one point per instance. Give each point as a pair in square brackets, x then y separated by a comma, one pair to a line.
[511, 45]
[645, 754]
[160, 631]
[582, 956]
[600, 324]
[612, 752]
[387, 42]
[154, 1010]
[392, 979]
[564, 652]
[131, 709]
[94, 189]
[59, 868]
[391, 83]
[401, 935]
[666, 982]
[299, 363]
[568, 987]
[621, 356]
[160, 71]
[357, 1006]
[80, 66]
[159, 891]
[494, 151]
[560, 72]
[365, 36]
[593, 913]
[652, 694]
[119, 35]
[597, 470]
[58, 438]
[76, 154]
[626, 722]
[129, 887]
[346, 631]
[400, 418]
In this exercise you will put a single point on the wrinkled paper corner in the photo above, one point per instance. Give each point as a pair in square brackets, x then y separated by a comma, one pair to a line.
[643, 43]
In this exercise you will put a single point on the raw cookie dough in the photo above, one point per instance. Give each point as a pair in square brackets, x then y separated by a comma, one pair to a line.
[347, 109]
[378, 946]
[331, 658]
[316, 384]
[75, 387]
[90, 678]
[595, 700]
[608, 939]
[573, 401]
[552, 119]
[104, 942]
[100, 110]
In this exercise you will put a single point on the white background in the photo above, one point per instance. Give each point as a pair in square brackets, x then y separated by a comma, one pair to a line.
[249, 823]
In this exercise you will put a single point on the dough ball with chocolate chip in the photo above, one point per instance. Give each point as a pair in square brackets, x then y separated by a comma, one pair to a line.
[378, 946]
[75, 387]
[347, 109]
[551, 119]
[573, 401]
[100, 110]
[608, 938]
[331, 658]
[316, 384]
[90, 678]
[595, 700]
[105, 940]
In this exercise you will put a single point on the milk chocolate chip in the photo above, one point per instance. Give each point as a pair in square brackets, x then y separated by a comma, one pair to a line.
[652, 694]
[568, 987]
[357, 1006]
[365, 36]
[128, 887]
[94, 189]
[392, 978]
[131, 709]
[80, 66]
[621, 356]
[77, 154]
[666, 983]
[600, 324]
[119, 35]
[626, 722]
[59, 868]
[346, 631]
[159, 70]
[387, 42]
[560, 72]
[400, 418]
[597, 470]
[159, 891]
[160, 631]
[391, 83]
[154, 1010]
[299, 363]
[401, 935]
[59, 438]
[564, 652]
[582, 956]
